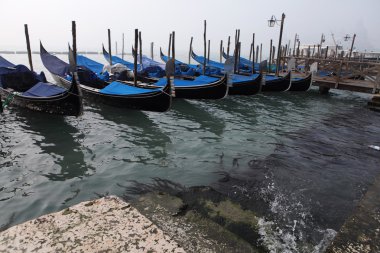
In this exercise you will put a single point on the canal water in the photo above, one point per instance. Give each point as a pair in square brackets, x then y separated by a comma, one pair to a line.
[301, 160]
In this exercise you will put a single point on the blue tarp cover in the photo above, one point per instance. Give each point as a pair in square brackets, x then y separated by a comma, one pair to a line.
[270, 78]
[6, 64]
[94, 66]
[43, 90]
[241, 78]
[198, 81]
[117, 88]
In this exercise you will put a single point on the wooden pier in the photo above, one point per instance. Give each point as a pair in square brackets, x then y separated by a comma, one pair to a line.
[343, 74]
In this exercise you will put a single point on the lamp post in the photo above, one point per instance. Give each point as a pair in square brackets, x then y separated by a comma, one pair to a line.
[271, 23]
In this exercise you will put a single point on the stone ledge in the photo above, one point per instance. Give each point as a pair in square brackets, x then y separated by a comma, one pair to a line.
[104, 225]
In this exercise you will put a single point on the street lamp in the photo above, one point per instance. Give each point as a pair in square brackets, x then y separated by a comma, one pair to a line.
[271, 23]
[347, 37]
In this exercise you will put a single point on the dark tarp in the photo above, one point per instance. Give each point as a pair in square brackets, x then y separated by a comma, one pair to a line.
[54, 64]
[5, 63]
[44, 90]
[19, 78]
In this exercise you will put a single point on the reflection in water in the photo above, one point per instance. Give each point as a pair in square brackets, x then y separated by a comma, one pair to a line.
[187, 110]
[134, 131]
[59, 141]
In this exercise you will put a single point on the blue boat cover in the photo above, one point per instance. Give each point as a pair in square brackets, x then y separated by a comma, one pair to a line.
[198, 81]
[44, 90]
[116, 59]
[271, 78]
[54, 64]
[117, 88]
[243, 78]
[92, 65]
[5, 63]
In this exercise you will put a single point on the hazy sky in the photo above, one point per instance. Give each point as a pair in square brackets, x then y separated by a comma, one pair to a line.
[50, 21]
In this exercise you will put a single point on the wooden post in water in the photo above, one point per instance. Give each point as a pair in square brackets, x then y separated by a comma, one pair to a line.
[235, 58]
[208, 52]
[170, 45]
[352, 47]
[298, 48]
[238, 63]
[109, 47]
[221, 51]
[257, 53]
[273, 54]
[135, 57]
[190, 49]
[204, 48]
[279, 45]
[28, 47]
[318, 51]
[74, 33]
[228, 46]
[122, 48]
[294, 47]
[327, 51]
[261, 51]
[250, 52]
[140, 49]
[173, 48]
[270, 55]
[336, 52]
[253, 52]
[151, 50]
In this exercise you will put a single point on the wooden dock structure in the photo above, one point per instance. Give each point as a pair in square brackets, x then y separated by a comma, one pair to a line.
[343, 74]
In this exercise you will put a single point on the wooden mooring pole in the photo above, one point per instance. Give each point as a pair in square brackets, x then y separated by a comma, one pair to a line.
[74, 33]
[28, 47]
[352, 46]
[279, 45]
[221, 51]
[190, 49]
[228, 46]
[170, 45]
[122, 48]
[135, 57]
[109, 47]
[208, 52]
[140, 49]
[204, 48]
[151, 50]
[270, 56]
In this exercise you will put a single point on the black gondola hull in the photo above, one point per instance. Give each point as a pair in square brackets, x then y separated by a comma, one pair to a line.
[159, 101]
[68, 103]
[303, 84]
[246, 88]
[216, 90]
[277, 85]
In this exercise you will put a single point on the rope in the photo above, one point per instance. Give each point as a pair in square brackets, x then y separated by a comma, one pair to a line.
[8, 100]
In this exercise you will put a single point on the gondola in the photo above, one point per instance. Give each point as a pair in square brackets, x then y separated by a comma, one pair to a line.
[241, 84]
[116, 93]
[274, 83]
[301, 83]
[148, 68]
[21, 87]
[199, 87]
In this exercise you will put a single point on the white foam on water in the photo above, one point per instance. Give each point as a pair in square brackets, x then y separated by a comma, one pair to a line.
[285, 228]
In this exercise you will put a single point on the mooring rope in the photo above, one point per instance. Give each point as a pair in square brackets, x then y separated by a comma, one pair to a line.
[8, 99]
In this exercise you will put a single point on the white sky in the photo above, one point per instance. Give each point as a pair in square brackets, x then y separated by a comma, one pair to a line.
[50, 21]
